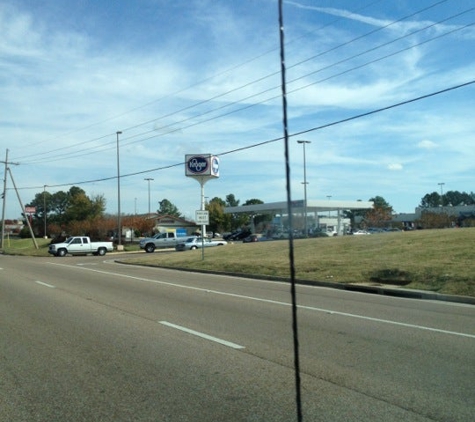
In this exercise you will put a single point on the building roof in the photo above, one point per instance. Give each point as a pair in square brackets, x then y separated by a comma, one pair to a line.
[298, 206]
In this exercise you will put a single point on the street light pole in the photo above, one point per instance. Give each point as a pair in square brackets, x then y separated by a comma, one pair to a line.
[45, 236]
[119, 229]
[148, 179]
[329, 197]
[441, 192]
[304, 185]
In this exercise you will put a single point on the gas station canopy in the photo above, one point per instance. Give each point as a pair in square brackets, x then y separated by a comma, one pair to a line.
[313, 206]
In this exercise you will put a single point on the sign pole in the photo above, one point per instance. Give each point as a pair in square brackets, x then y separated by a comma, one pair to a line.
[202, 167]
[203, 227]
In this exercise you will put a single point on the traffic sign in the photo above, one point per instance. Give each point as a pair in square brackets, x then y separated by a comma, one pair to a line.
[202, 217]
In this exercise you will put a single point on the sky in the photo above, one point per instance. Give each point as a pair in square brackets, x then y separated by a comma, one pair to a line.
[382, 90]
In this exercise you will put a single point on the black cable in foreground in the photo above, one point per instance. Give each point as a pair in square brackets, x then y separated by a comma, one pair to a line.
[289, 212]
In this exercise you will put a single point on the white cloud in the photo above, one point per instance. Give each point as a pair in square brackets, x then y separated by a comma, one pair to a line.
[427, 144]
[395, 166]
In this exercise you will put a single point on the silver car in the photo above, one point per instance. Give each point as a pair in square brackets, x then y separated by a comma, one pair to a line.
[195, 242]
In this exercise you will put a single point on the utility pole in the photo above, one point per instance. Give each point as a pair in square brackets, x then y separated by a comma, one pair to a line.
[4, 196]
[23, 210]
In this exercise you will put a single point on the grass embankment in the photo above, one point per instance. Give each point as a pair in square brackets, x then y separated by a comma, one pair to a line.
[436, 260]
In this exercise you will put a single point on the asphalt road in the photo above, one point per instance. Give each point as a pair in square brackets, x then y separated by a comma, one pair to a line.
[87, 339]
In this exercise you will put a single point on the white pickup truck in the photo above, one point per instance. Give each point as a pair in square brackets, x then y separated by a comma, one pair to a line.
[160, 240]
[80, 245]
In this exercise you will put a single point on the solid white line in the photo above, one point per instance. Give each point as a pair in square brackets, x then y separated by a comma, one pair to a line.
[202, 335]
[45, 284]
[275, 302]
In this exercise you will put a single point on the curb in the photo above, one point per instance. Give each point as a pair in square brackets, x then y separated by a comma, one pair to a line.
[361, 288]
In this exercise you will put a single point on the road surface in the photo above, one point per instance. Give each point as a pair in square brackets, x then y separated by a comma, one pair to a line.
[87, 339]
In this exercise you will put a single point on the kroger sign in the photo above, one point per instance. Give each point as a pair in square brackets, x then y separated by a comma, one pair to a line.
[201, 165]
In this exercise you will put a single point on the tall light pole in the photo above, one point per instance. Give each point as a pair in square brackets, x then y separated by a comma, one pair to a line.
[119, 229]
[329, 197]
[304, 186]
[45, 236]
[441, 192]
[148, 179]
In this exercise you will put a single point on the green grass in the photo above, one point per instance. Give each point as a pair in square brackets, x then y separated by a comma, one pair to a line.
[436, 260]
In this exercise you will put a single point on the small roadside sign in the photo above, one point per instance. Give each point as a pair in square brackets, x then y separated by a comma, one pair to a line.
[202, 217]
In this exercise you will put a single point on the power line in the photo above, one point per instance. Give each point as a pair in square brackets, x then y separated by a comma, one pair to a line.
[269, 141]
[173, 129]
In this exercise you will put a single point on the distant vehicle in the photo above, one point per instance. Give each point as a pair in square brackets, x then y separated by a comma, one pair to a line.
[361, 232]
[237, 235]
[213, 234]
[254, 238]
[195, 242]
[160, 240]
[80, 245]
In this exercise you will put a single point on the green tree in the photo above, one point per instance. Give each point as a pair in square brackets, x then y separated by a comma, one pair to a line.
[83, 208]
[237, 220]
[231, 201]
[218, 220]
[62, 208]
[450, 198]
[167, 208]
[457, 198]
[380, 214]
[431, 200]
[258, 218]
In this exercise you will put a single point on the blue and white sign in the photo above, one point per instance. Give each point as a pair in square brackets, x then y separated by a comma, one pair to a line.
[198, 165]
[215, 166]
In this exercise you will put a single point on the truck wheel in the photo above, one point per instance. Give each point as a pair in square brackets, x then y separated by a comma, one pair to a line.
[101, 251]
[193, 248]
[150, 248]
[61, 252]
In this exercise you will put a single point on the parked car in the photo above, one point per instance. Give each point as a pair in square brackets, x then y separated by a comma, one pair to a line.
[195, 242]
[237, 235]
[160, 240]
[80, 245]
[361, 232]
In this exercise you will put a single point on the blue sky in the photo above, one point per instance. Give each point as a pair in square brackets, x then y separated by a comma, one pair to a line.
[203, 76]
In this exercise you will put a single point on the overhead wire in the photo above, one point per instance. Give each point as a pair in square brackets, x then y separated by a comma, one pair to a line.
[171, 95]
[269, 141]
[106, 146]
[101, 147]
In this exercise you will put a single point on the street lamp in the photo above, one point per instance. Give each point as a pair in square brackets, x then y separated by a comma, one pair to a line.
[304, 186]
[148, 179]
[441, 192]
[329, 197]
[45, 236]
[119, 229]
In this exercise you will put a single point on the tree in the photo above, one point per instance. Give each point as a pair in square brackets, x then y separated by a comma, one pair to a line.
[167, 208]
[83, 208]
[455, 198]
[218, 220]
[62, 208]
[380, 214]
[435, 220]
[431, 200]
[258, 218]
[380, 202]
[450, 198]
[139, 224]
[237, 220]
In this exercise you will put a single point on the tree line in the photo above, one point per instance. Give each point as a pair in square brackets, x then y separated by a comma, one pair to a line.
[74, 212]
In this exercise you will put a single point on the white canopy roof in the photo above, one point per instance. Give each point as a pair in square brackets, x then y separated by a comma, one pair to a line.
[298, 206]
